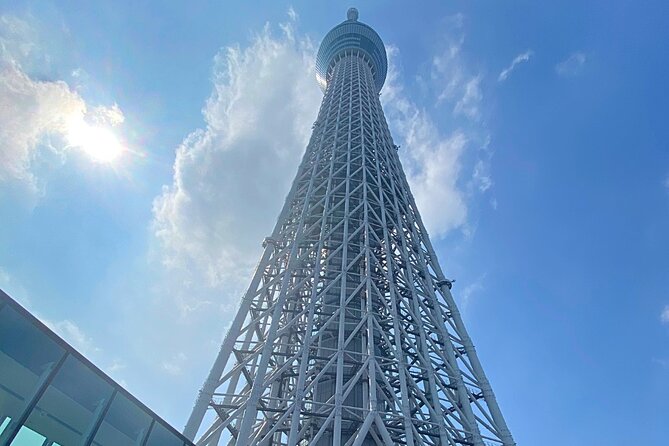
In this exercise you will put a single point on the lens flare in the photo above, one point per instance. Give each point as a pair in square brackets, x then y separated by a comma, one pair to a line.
[97, 141]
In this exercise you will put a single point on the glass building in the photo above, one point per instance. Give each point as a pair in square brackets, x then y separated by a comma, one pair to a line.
[51, 395]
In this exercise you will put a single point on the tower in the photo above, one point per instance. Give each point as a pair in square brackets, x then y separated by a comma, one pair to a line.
[348, 333]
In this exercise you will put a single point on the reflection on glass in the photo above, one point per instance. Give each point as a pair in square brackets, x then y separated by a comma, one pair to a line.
[4, 422]
[161, 436]
[28, 437]
[71, 404]
[124, 425]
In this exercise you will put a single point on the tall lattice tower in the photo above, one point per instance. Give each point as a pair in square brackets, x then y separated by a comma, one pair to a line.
[348, 333]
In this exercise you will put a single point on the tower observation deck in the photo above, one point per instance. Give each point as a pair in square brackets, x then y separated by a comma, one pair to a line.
[348, 334]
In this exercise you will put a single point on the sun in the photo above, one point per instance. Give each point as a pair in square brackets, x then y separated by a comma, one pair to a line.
[97, 141]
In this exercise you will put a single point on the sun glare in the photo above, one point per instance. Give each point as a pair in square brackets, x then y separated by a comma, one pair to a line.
[97, 141]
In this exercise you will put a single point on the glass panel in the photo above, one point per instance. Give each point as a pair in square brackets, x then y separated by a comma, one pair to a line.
[124, 425]
[161, 436]
[71, 404]
[25, 354]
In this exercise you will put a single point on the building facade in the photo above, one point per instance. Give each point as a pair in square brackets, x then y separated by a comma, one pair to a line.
[348, 333]
[50, 395]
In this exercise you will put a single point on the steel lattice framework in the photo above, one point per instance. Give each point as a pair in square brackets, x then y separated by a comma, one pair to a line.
[348, 334]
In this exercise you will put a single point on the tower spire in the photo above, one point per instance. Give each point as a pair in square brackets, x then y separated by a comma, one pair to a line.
[348, 334]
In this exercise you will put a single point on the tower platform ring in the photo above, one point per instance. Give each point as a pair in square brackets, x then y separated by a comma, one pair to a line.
[352, 35]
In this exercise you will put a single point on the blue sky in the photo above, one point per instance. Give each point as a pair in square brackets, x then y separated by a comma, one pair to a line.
[534, 136]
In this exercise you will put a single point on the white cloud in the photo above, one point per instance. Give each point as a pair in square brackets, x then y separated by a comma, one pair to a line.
[431, 160]
[455, 83]
[18, 40]
[35, 114]
[444, 168]
[468, 104]
[449, 72]
[15, 290]
[292, 14]
[481, 176]
[4, 277]
[664, 316]
[523, 57]
[434, 172]
[174, 366]
[231, 177]
[469, 291]
[572, 65]
[30, 111]
[115, 369]
[116, 366]
[74, 335]
[665, 183]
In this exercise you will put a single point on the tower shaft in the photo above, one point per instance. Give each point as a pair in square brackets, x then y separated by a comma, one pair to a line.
[348, 333]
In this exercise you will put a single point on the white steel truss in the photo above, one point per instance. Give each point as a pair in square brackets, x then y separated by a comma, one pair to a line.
[348, 334]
